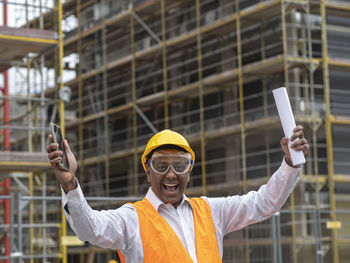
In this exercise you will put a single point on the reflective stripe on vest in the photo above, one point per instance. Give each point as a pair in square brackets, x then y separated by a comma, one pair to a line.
[161, 244]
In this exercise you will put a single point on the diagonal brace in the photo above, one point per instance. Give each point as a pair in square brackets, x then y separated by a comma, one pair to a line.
[147, 28]
[146, 120]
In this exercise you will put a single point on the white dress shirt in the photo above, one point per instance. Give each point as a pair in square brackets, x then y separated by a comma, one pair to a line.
[119, 229]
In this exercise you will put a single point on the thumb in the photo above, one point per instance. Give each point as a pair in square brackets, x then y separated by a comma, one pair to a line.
[284, 141]
[66, 146]
[71, 158]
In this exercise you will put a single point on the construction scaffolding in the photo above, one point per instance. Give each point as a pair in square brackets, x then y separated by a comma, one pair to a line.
[25, 54]
[207, 70]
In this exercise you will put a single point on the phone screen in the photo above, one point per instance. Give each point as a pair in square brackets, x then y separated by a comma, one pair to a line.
[58, 138]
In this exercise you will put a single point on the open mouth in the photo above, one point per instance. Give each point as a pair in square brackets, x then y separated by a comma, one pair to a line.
[170, 187]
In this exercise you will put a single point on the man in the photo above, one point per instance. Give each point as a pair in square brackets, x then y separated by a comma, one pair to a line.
[166, 226]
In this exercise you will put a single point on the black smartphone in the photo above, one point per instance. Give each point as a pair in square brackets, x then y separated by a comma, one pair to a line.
[58, 138]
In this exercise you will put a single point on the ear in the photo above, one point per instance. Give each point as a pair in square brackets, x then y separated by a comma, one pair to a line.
[148, 174]
[189, 177]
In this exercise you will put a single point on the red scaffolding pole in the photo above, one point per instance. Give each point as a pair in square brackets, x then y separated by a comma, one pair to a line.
[7, 182]
[6, 204]
[5, 91]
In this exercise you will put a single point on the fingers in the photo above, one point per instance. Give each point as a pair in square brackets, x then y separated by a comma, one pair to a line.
[299, 145]
[54, 154]
[54, 162]
[306, 148]
[52, 147]
[298, 128]
[284, 141]
[298, 133]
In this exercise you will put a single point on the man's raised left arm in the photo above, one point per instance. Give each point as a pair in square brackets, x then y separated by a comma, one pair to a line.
[235, 212]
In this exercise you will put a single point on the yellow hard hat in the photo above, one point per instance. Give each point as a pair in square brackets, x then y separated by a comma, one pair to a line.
[166, 137]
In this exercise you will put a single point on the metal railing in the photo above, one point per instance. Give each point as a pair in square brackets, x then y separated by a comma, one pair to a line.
[273, 239]
[32, 239]
[270, 241]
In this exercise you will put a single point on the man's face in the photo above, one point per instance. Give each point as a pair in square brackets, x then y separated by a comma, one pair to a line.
[168, 187]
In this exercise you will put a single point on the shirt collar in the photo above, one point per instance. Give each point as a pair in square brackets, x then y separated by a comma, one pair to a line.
[156, 202]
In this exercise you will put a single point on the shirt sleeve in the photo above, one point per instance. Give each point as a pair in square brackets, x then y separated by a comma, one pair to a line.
[235, 212]
[114, 229]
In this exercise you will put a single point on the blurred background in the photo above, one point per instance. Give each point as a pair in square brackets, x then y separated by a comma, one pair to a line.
[112, 73]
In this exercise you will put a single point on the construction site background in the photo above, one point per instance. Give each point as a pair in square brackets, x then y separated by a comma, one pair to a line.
[112, 73]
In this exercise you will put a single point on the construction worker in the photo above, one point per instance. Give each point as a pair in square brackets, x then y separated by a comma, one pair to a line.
[166, 226]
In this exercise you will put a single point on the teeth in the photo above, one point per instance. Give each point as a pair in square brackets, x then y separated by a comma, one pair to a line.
[170, 187]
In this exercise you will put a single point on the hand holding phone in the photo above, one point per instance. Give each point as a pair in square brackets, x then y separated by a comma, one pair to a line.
[58, 138]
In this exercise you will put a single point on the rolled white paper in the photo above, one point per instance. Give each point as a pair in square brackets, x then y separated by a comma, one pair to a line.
[288, 123]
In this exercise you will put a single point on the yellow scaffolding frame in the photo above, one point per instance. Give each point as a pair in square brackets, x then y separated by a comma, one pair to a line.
[286, 82]
[105, 103]
[242, 119]
[265, 66]
[58, 6]
[29, 39]
[80, 95]
[201, 94]
[165, 69]
[328, 123]
[133, 88]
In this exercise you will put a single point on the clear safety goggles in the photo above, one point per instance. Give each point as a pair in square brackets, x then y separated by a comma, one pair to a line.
[179, 163]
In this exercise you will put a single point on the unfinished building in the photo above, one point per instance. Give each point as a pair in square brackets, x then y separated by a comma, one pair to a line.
[207, 70]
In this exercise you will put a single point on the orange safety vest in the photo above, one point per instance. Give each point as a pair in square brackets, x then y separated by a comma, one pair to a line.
[161, 244]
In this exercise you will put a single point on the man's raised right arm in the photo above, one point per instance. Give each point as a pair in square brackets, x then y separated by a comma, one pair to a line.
[108, 229]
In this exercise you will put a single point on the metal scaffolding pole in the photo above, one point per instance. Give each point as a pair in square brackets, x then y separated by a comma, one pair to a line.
[145, 119]
[242, 119]
[58, 7]
[19, 227]
[201, 102]
[80, 95]
[276, 236]
[285, 44]
[318, 237]
[44, 215]
[165, 71]
[29, 108]
[105, 100]
[5, 91]
[133, 88]
[31, 214]
[42, 86]
[144, 25]
[286, 84]
[30, 149]
[7, 214]
[329, 138]
[12, 230]
[315, 126]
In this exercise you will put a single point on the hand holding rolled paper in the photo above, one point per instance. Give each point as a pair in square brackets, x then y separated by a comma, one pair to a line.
[288, 123]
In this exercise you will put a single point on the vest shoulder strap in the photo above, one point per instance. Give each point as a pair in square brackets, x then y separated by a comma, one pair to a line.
[206, 241]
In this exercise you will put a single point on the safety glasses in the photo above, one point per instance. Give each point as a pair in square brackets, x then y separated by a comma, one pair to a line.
[179, 163]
